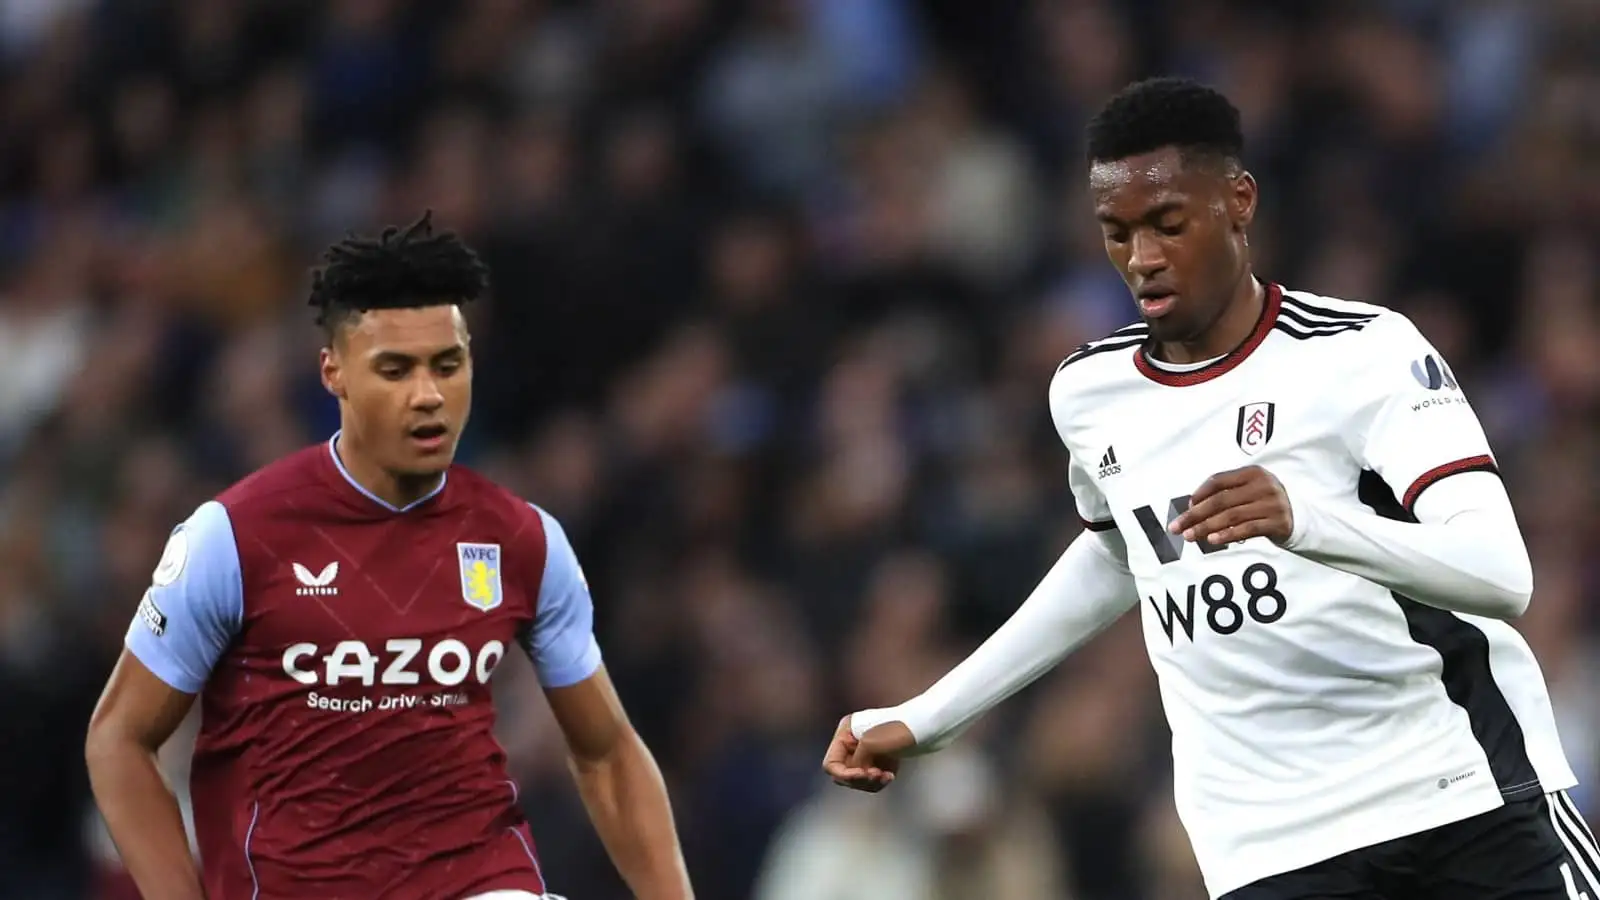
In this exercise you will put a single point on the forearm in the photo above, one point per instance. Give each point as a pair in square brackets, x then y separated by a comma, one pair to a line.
[1466, 555]
[143, 819]
[627, 801]
[1084, 592]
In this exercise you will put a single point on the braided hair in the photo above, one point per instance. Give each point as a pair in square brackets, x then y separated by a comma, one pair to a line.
[405, 268]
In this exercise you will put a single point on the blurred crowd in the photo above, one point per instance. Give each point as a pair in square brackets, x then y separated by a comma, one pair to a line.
[778, 289]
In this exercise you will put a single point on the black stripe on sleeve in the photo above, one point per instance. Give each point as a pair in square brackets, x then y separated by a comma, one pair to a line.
[1088, 350]
[1289, 312]
[1324, 312]
[1326, 329]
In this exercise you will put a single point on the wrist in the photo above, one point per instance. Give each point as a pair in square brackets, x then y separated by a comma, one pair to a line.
[865, 720]
[1301, 516]
[920, 717]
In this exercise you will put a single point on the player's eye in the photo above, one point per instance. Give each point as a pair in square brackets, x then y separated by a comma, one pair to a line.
[447, 366]
[1173, 229]
[1116, 236]
[392, 372]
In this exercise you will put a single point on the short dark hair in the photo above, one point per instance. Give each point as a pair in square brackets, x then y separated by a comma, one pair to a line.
[399, 269]
[1166, 112]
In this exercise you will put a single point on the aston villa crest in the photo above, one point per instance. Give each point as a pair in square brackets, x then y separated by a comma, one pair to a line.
[480, 575]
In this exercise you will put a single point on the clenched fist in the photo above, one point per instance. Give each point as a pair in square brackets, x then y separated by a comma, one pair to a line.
[869, 763]
[1236, 505]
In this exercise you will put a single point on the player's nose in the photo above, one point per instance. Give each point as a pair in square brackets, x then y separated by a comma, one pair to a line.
[425, 394]
[1146, 258]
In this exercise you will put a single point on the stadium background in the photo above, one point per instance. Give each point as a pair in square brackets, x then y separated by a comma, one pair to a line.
[779, 288]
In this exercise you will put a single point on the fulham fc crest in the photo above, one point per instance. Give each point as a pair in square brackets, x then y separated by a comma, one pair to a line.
[1255, 426]
[480, 575]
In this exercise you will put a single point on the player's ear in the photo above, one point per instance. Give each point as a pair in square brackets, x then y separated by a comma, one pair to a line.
[332, 372]
[1242, 200]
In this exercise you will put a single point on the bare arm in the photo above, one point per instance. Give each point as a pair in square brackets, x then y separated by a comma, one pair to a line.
[135, 716]
[622, 788]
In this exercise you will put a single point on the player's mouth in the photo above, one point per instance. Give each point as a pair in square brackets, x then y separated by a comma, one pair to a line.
[429, 438]
[1155, 302]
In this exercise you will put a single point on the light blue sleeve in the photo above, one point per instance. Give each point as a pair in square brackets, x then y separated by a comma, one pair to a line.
[195, 602]
[561, 642]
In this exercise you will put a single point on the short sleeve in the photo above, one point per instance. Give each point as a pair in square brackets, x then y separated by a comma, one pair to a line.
[195, 602]
[1413, 424]
[561, 642]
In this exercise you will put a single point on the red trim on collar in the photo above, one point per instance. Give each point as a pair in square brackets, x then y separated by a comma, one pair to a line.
[1269, 317]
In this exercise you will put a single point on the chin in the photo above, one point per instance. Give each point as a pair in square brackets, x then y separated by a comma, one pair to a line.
[432, 467]
[1169, 330]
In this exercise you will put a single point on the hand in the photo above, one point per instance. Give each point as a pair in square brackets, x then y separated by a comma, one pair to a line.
[868, 764]
[1234, 506]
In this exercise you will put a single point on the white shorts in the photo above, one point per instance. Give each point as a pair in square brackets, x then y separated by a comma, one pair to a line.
[515, 895]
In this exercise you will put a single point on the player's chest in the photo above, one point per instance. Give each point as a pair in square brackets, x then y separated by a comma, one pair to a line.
[383, 584]
[1150, 452]
[1217, 612]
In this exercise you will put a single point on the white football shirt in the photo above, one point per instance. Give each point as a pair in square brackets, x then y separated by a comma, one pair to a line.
[1313, 712]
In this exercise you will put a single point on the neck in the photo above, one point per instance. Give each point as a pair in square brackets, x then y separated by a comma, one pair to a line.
[398, 491]
[1230, 329]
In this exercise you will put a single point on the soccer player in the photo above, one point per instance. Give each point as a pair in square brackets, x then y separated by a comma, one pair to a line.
[340, 613]
[1298, 497]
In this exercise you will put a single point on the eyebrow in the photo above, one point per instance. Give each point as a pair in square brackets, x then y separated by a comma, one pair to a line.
[396, 356]
[1151, 215]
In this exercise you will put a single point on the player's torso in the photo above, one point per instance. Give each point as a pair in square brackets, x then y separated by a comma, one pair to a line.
[1279, 675]
[400, 624]
[351, 720]
[1312, 712]
[1250, 613]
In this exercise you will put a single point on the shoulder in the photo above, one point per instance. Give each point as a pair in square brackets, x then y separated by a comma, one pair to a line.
[1124, 338]
[1306, 316]
[1097, 362]
[488, 497]
[562, 571]
[199, 568]
[523, 523]
[1369, 329]
[1327, 309]
[205, 539]
[1358, 356]
[294, 472]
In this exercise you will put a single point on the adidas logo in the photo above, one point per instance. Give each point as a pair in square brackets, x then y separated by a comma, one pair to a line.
[1109, 465]
[318, 585]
